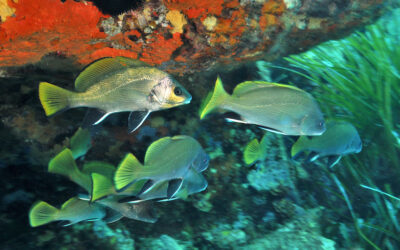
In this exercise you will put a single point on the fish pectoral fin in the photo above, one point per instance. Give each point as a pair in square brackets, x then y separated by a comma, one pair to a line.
[333, 160]
[112, 216]
[173, 187]
[273, 130]
[312, 156]
[136, 118]
[146, 187]
[94, 117]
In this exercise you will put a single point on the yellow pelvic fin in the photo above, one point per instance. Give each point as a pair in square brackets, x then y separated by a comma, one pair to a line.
[42, 213]
[127, 172]
[54, 99]
[217, 98]
[252, 152]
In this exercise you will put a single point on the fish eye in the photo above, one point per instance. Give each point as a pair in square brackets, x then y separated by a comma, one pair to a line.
[178, 91]
[321, 124]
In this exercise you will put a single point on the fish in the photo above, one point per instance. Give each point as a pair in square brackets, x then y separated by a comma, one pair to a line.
[64, 164]
[340, 138]
[119, 84]
[255, 151]
[278, 108]
[100, 186]
[73, 210]
[167, 159]
[193, 182]
[142, 212]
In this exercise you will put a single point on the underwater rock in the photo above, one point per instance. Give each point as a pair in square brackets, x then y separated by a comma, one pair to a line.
[165, 242]
[272, 176]
[118, 238]
[225, 237]
[301, 233]
[181, 36]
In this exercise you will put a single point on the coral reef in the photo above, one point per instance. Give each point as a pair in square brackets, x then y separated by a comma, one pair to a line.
[181, 36]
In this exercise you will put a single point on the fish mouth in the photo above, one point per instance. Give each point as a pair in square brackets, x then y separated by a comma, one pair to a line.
[188, 100]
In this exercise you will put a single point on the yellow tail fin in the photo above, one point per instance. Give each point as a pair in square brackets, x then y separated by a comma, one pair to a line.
[217, 98]
[64, 164]
[127, 172]
[101, 187]
[42, 213]
[252, 152]
[298, 147]
[54, 99]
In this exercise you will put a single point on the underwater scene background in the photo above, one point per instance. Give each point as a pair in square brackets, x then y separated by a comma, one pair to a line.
[256, 193]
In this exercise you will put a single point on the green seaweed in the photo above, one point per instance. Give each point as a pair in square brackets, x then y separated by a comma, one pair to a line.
[358, 80]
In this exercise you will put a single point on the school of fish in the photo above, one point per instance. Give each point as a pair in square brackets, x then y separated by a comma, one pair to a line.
[172, 167]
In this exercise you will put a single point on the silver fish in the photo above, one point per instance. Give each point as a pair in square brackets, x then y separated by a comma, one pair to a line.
[275, 107]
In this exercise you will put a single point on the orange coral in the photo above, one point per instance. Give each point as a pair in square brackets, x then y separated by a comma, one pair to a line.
[196, 8]
[37, 29]
[161, 49]
[270, 12]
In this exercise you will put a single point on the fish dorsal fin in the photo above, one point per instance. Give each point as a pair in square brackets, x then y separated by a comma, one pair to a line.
[70, 202]
[99, 167]
[96, 71]
[155, 148]
[248, 86]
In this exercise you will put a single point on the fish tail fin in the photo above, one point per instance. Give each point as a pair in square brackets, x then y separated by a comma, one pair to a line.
[53, 98]
[64, 164]
[80, 142]
[215, 99]
[42, 213]
[127, 172]
[297, 148]
[252, 152]
[101, 187]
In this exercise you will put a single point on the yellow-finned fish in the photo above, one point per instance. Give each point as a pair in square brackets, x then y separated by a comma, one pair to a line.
[167, 159]
[74, 210]
[340, 138]
[275, 107]
[111, 85]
